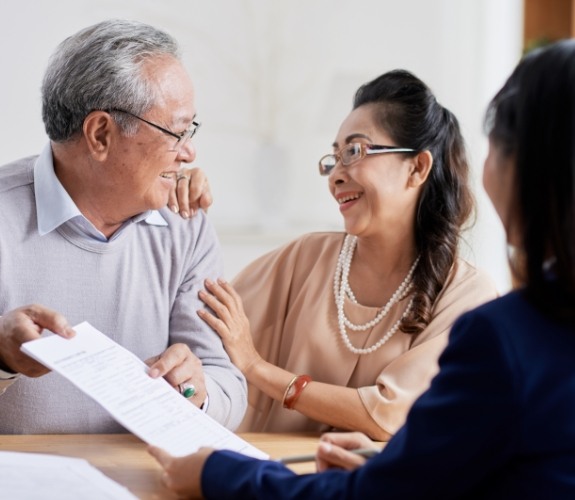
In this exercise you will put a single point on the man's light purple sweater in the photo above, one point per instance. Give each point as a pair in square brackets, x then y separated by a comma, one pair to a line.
[141, 289]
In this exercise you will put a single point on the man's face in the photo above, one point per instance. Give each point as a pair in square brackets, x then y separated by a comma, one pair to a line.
[143, 166]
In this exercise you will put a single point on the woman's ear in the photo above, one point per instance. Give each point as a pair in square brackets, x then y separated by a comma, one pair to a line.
[98, 127]
[420, 169]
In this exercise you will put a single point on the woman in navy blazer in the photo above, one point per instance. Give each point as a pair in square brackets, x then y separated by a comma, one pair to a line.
[499, 419]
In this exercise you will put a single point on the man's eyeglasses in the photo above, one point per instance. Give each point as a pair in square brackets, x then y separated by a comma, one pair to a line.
[354, 152]
[182, 138]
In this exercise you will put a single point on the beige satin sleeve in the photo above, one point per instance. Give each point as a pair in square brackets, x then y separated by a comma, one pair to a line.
[403, 380]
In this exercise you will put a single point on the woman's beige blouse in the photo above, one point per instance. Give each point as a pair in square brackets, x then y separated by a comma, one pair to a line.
[288, 297]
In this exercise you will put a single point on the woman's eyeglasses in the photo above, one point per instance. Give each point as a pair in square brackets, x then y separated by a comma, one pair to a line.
[354, 152]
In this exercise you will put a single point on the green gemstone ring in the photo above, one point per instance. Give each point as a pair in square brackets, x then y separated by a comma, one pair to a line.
[188, 390]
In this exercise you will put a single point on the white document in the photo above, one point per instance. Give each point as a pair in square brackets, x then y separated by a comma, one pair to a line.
[29, 476]
[119, 381]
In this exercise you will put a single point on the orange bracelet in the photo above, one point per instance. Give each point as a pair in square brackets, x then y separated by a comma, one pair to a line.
[294, 390]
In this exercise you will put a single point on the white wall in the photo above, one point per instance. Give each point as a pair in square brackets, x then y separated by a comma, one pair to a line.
[273, 81]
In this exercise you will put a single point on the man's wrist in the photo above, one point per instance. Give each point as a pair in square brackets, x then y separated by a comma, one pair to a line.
[6, 373]
[7, 378]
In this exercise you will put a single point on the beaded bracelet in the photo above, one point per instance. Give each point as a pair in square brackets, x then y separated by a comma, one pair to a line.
[294, 390]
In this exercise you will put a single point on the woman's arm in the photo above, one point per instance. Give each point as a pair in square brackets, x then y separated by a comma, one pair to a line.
[336, 406]
[377, 408]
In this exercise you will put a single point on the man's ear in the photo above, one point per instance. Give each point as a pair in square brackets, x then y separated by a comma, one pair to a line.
[98, 128]
[421, 168]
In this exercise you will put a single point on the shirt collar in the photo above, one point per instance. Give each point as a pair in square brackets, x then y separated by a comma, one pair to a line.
[54, 206]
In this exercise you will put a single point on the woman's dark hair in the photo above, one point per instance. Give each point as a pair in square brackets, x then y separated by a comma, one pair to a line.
[532, 121]
[408, 111]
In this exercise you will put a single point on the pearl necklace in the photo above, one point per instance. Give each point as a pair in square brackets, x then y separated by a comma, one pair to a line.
[341, 288]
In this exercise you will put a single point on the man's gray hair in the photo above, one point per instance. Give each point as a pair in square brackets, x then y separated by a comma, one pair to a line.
[100, 68]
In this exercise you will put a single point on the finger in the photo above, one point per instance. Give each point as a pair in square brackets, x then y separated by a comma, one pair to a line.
[161, 455]
[322, 457]
[180, 374]
[188, 369]
[230, 290]
[183, 190]
[197, 186]
[222, 294]
[199, 196]
[348, 440]
[49, 319]
[335, 456]
[173, 200]
[215, 323]
[206, 199]
[169, 359]
[152, 360]
[25, 324]
[221, 309]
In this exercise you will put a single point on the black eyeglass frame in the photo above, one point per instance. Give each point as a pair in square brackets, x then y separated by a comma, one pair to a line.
[365, 149]
[182, 138]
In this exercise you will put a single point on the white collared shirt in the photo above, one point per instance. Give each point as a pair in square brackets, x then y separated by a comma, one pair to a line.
[54, 206]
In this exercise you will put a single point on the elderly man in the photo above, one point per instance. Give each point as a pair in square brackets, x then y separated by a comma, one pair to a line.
[85, 233]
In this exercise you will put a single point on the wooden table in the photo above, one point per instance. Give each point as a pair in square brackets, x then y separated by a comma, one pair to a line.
[123, 457]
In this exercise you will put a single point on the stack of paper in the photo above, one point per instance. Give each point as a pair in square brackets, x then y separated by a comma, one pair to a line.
[28, 476]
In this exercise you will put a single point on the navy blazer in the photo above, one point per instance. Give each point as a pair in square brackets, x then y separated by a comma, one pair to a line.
[498, 422]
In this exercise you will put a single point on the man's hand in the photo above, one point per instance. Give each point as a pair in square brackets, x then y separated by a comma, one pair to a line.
[192, 193]
[178, 365]
[24, 324]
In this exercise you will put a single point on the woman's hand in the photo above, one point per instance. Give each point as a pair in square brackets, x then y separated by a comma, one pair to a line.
[182, 475]
[191, 193]
[332, 451]
[230, 322]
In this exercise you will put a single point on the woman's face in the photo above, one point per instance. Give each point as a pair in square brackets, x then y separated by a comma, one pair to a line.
[375, 194]
[498, 181]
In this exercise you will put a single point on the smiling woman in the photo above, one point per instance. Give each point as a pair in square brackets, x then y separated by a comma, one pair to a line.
[482, 429]
[344, 330]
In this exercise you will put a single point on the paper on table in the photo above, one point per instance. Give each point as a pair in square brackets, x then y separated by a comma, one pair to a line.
[119, 381]
[32, 475]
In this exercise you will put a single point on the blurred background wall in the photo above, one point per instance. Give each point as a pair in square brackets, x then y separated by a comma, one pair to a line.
[273, 80]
